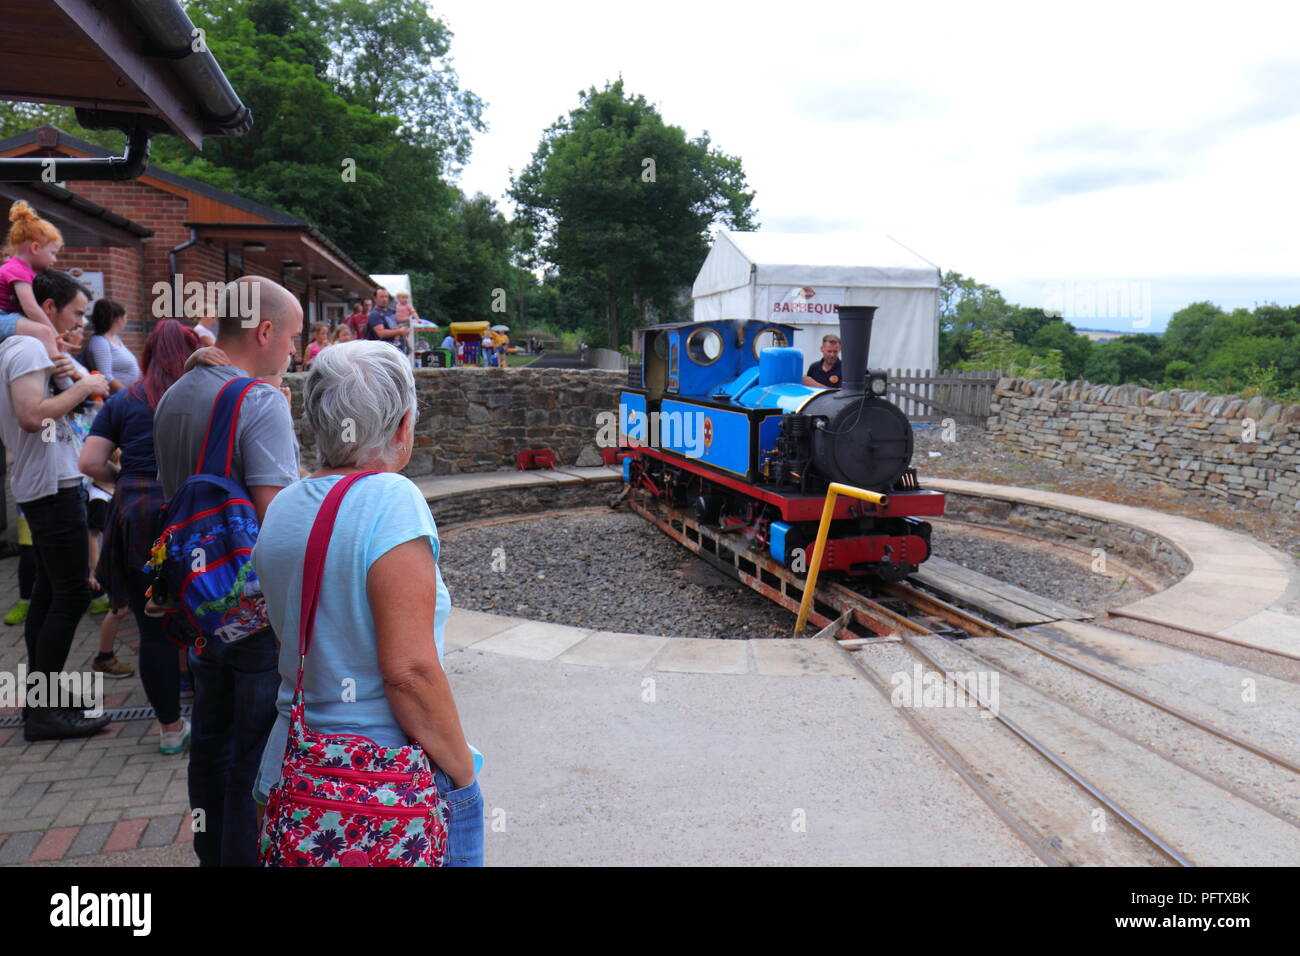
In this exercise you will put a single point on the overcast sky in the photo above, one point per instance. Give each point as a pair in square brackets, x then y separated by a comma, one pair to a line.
[1041, 148]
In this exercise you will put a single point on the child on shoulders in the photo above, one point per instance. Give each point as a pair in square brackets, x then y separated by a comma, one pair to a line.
[34, 245]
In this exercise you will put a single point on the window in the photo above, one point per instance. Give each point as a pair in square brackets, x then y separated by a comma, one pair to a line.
[704, 346]
[767, 339]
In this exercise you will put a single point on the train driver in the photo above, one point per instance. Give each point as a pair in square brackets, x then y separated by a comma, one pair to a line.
[826, 373]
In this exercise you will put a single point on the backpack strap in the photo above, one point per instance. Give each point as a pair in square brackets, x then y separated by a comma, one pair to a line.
[318, 542]
[219, 440]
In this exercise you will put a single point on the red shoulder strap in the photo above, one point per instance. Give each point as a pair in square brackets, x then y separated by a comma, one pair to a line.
[318, 542]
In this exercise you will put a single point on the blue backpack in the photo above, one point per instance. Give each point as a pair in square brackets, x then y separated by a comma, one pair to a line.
[202, 561]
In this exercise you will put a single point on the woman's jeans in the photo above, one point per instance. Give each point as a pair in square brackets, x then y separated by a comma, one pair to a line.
[464, 822]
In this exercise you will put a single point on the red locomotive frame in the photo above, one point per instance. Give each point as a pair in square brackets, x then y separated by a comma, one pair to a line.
[841, 553]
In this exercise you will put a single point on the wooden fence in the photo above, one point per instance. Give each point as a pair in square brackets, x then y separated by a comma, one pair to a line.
[925, 396]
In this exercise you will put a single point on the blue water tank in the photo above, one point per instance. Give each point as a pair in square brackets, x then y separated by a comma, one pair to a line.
[778, 366]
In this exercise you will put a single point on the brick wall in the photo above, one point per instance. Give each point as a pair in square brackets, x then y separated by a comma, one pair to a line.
[121, 268]
[162, 212]
[479, 419]
[1243, 451]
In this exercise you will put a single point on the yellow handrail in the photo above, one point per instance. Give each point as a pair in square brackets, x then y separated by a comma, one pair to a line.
[833, 492]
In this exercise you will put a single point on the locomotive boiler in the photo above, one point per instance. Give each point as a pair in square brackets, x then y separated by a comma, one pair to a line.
[717, 419]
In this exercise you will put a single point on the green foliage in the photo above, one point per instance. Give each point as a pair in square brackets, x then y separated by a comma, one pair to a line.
[997, 351]
[1073, 347]
[18, 118]
[977, 326]
[965, 307]
[622, 204]
[1239, 353]
[394, 62]
[1121, 361]
[358, 123]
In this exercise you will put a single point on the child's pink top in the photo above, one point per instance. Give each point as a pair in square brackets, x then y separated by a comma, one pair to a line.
[13, 270]
[404, 312]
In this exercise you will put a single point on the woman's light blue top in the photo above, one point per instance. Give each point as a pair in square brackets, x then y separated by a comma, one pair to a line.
[344, 691]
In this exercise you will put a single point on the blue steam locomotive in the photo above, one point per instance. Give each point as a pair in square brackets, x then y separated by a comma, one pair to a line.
[717, 418]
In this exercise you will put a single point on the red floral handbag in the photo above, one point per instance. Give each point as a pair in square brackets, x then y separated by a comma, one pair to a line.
[343, 800]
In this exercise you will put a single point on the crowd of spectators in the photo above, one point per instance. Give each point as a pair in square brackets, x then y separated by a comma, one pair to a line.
[145, 424]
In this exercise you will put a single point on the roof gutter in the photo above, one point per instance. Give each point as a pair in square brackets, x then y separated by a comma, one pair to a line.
[172, 35]
[57, 169]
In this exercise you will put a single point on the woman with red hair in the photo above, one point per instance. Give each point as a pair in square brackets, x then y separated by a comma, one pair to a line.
[126, 422]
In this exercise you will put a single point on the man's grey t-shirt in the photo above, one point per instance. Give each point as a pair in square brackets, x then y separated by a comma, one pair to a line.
[266, 448]
[43, 458]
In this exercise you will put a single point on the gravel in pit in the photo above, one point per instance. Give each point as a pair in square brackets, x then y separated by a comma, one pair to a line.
[1031, 568]
[608, 570]
[613, 571]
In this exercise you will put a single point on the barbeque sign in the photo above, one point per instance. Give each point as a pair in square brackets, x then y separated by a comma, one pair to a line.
[805, 300]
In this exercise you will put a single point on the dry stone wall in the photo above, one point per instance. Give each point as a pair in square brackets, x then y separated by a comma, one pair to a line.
[474, 419]
[1243, 451]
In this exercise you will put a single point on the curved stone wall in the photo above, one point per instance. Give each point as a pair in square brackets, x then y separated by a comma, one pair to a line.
[1247, 451]
[474, 419]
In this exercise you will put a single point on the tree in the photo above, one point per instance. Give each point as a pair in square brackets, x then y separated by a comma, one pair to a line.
[615, 194]
[18, 118]
[392, 57]
[995, 350]
[358, 124]
[1187, 330]
[964, 307]
[1024, 324]
[1119, 361]
[1073, 347]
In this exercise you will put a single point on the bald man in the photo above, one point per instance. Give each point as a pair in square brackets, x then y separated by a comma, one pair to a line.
[235, 685]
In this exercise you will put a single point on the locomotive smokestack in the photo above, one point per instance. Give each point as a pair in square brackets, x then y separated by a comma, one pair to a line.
[855, 344]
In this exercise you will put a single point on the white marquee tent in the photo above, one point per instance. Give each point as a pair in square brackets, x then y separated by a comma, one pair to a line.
[800, 279]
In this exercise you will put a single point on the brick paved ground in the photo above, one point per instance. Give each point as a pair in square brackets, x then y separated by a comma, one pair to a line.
[93, 800]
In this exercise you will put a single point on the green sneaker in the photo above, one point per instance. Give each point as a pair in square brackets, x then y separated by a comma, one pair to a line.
[18, 613]
[99, 606]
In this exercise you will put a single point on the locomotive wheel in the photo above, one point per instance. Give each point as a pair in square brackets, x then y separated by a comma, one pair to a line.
[708, 509]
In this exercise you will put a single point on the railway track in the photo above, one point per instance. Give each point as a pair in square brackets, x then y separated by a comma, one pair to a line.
[1077, 786]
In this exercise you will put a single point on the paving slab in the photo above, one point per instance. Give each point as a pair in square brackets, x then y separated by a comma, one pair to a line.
[465, 627]
[590, 473]
[533, 639]
[694, 655]
[794, 658]
[1273, 630]
[613, 649]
